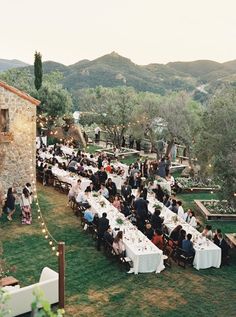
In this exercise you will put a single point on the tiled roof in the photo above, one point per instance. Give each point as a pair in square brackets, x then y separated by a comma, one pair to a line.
[19, 93]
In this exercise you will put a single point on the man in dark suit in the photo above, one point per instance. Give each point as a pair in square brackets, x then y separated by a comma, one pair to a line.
[141, 208]
[108, 235]
[103, 224]
[126, 191]
[102, 175]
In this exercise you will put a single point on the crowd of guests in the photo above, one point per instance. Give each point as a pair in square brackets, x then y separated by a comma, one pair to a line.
[134, 207]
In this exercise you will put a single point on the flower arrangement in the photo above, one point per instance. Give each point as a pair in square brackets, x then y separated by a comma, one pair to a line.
[102, 203]
[174, 218]
[119, 221]
[157, 205]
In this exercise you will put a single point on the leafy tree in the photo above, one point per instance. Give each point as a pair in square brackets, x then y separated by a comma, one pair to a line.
[110, 108]
[146, 119]
[216, 146]
[21, 79]
[38, 70]
[183, 120]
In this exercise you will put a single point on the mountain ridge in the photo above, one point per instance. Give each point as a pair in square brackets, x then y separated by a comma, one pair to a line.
[113, 70]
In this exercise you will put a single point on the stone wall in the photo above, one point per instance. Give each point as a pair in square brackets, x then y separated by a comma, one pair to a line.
[18, 155]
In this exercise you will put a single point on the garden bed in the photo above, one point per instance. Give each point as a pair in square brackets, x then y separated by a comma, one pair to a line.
[124, 152]
[213, 210]
[193, 185]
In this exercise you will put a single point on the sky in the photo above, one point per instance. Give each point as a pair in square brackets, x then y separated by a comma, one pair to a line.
[146, 31]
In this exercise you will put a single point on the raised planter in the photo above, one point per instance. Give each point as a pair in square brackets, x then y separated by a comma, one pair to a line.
[123, 152]
[201, 189]
[212, 216]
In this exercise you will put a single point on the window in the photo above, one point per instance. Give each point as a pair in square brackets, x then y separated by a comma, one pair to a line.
[4, 120]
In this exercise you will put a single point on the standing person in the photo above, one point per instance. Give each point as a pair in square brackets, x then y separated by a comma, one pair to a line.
[123, 141]
[97, 134]
[162, 168]
[26, 207]
[103, 225]
[28, 188]
[10, 203]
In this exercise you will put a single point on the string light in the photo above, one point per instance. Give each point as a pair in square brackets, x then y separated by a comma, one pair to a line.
[52, 242]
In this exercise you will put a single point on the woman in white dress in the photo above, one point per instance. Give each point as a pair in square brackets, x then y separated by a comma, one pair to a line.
[193, 220]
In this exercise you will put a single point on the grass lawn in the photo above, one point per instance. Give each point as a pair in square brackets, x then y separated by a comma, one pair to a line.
[97, 287]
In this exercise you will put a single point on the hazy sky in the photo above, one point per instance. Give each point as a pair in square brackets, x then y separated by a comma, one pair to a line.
[145, 31]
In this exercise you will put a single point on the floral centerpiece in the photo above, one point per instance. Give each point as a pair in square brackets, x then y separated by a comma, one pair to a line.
[157, 205]
[174, 218]
[119, 221]
[102, 203]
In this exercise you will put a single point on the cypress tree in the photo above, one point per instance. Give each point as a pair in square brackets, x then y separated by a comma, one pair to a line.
[38, 71]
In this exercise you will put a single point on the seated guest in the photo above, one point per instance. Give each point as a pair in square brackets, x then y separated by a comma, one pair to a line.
[117, 203]
[88, 214]
[118, 244]
[81, 199]
[104, 191]
[187, 245]
[156, 220]
[111, 186]
[215, 237]
[180, 209]
[224, 249]
[193, 220]
[187, 215]
[133, 217]
[182, 236]
[72, 167]
[158, 239]
[159, 193]
[125, 208]
[207, 232]
[175, 233]
[148, 231]
[108, 237]
[74, 190]
[95, 219]
[173, 207]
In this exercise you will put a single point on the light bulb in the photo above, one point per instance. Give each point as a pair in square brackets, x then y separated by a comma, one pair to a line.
[53, 248]
[46, 237]
[43, 230]
[57, 254]
[50, 242]
[39, 217]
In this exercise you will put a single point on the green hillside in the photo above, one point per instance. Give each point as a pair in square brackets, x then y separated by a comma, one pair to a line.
[113, 70]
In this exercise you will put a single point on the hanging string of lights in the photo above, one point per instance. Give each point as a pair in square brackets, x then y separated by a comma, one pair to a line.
[53, 243]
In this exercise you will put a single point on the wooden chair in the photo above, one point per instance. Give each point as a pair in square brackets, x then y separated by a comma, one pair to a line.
[183, 258]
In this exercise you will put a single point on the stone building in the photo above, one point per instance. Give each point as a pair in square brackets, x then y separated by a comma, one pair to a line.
[17, 137]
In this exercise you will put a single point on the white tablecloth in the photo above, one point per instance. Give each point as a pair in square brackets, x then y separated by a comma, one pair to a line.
[207, 254]
[145, 255]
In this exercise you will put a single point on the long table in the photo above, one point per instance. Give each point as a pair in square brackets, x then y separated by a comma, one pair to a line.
[146, 257]
[207, 254]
